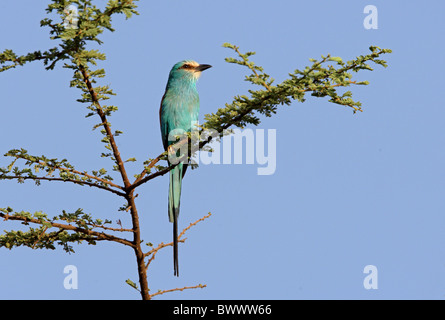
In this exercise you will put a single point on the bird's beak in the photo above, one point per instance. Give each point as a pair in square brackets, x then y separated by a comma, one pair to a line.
[202, 67]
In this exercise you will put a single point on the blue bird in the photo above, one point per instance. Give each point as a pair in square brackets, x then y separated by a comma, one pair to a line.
[179, 113]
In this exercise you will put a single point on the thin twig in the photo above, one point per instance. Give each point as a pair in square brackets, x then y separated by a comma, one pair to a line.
[199, 286]
[111, 229]
[154, 251]
[39, 237]
[91, 184]
[138, 181]
[250, 67]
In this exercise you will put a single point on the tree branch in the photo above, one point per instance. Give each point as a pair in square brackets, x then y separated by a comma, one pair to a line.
[90, 184]
[199, 286]
[106, 126]
[98, 235]
[154, 251]
[85, 174]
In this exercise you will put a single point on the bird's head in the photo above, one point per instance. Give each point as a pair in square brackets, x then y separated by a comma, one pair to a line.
[188, 69]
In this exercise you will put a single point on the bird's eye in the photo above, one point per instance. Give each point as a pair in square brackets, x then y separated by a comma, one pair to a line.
[186, 66]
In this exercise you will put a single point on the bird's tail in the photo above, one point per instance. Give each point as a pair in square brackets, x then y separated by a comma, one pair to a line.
[174, 199]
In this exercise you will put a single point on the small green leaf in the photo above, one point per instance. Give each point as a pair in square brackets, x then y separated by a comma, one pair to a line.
[336, 59]
[132, 284]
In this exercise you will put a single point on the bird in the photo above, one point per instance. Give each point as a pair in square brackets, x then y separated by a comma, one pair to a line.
[179, 112]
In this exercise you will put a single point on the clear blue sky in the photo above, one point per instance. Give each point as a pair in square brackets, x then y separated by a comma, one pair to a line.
[348, 191]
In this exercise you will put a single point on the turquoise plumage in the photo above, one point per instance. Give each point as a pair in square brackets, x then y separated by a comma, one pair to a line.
[178, 114]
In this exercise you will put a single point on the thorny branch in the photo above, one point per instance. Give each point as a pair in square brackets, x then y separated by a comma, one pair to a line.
[91, 184]
[106, 126]
[199, 286]
[98, 235]
[153, 251]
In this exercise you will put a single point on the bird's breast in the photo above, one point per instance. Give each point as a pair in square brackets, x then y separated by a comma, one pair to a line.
[180, 108]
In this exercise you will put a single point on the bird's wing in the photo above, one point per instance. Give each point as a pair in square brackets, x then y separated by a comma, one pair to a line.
[163, 125]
